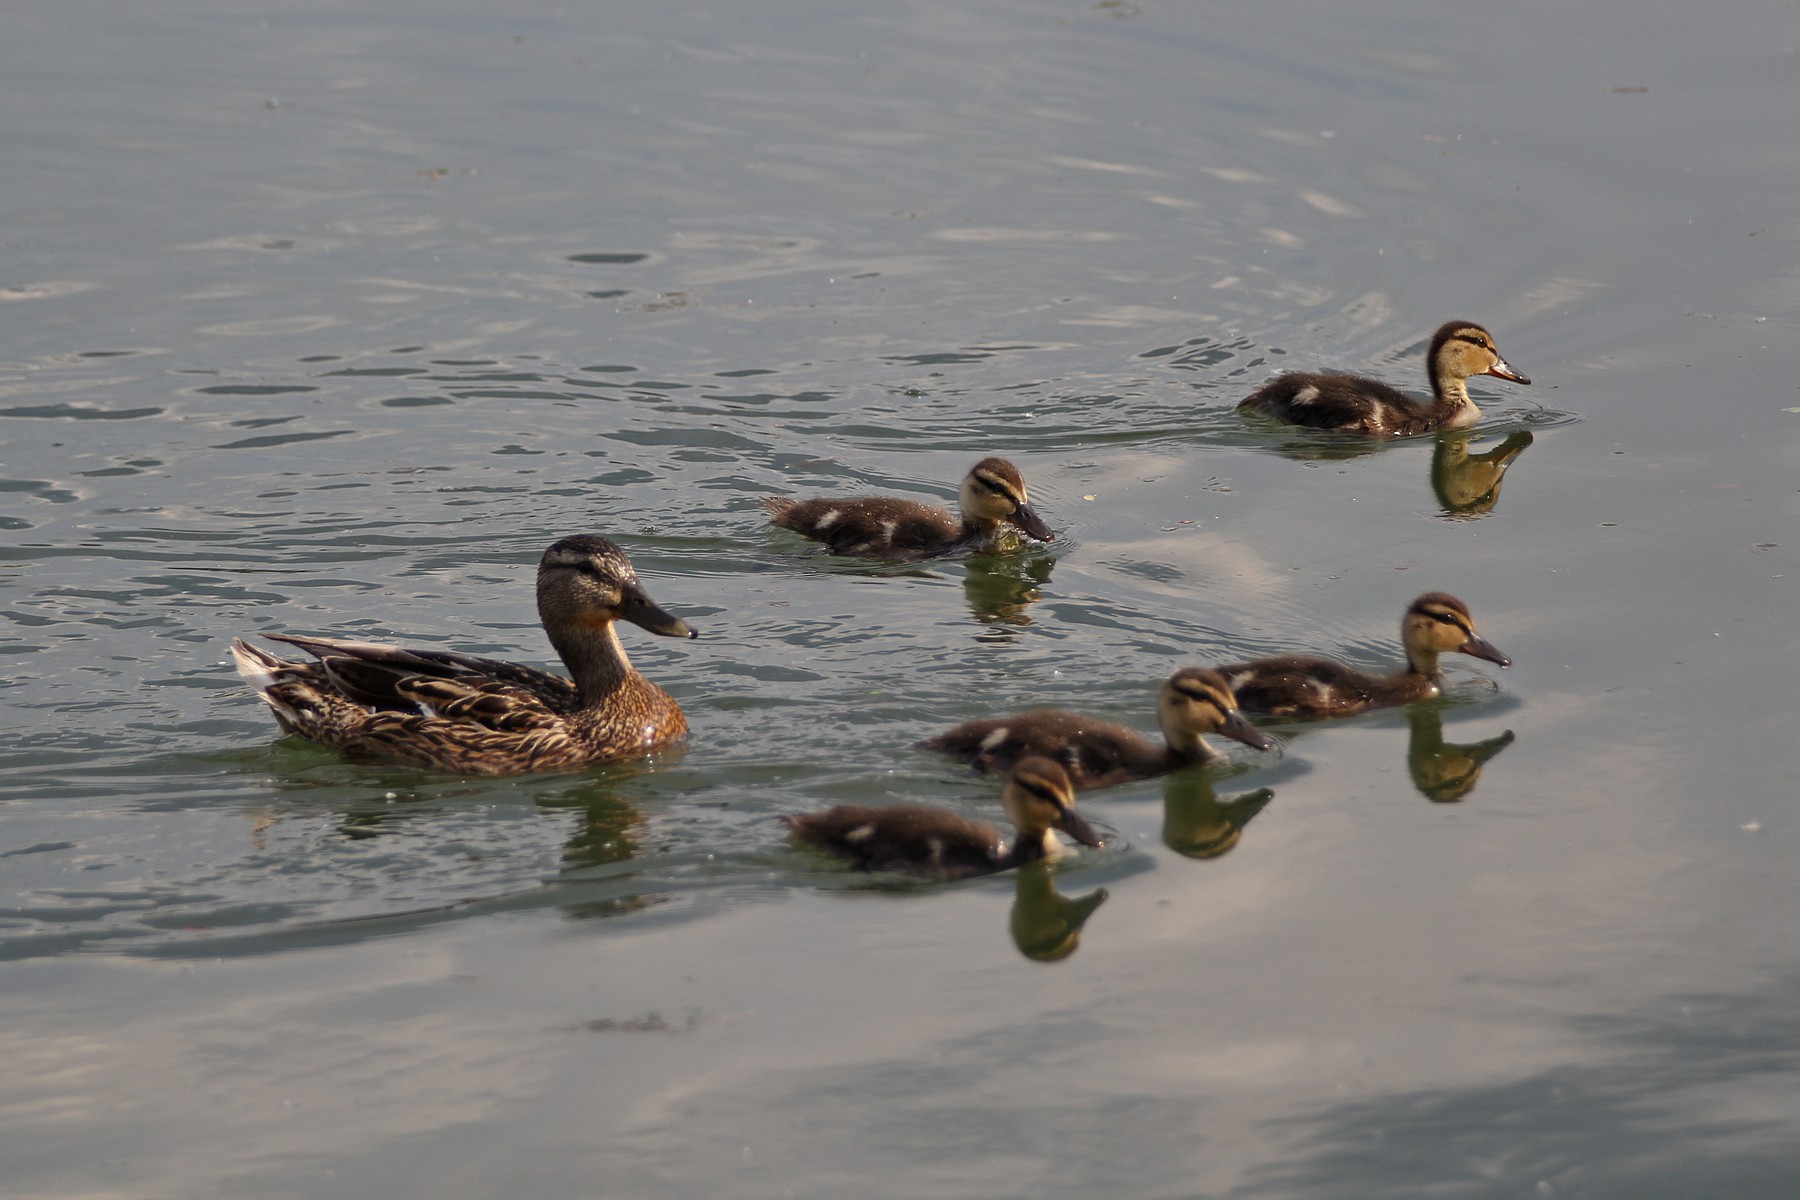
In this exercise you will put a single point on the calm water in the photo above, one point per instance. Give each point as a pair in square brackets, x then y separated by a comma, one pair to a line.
[331, 317]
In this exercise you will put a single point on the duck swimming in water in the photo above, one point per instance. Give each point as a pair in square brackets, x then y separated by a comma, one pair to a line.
[482, 716]
[935, 842]
[992, 501]
[1096, 753]
[1357, 404]
[1298, 685]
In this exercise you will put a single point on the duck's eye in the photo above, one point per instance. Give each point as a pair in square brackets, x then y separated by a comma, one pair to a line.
[1446, 619]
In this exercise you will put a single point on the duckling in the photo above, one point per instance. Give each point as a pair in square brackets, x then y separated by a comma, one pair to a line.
[1192, 703]
[943, 845]
[1357, 404]
[482, 716]
[992, 500]
[1297, 685]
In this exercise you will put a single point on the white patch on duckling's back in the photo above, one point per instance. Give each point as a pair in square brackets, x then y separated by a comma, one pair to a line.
[994, 739]
[887, 530]
[861, 833]
[827, 519]
[1306, 395]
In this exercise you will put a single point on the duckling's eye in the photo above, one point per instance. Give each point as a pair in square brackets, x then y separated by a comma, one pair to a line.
[1446, 619]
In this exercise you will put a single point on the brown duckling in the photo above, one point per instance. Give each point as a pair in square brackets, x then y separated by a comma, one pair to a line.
[482, 716]
[944, 845]
[1357, 404]
[1298, 685]
[992, 502]
[1192, 703]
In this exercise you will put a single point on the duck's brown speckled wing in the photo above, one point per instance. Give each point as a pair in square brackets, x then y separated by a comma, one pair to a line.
[371, 671]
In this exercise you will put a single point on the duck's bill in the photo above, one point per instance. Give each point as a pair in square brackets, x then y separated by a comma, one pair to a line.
[1076, 826]
[641, 610]
[1238, 729]
[1504, 370]
[1032, 525]
[1480, 647]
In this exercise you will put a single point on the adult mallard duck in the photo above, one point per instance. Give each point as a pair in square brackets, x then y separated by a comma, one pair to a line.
[1357, 404]
[1297, 685]
[934, 842]
[482, 716]
[1096, 753]
[992, 502]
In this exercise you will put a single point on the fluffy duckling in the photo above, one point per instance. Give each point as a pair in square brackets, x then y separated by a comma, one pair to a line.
[1357, 404]
[992, 502]
[482, 716]
[1096, 753]
[943, 845]
[1297, 685]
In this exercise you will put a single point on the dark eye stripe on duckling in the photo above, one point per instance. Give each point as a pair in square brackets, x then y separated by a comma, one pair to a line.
[999, 487]
[1474, 339]
[1193, 689]
[1040, 787]
[1449, 616]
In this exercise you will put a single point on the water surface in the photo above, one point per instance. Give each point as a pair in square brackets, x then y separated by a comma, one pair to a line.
[329, 319]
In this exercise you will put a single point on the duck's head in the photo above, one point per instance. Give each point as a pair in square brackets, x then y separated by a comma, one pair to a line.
[1438, 623]
[993, 492]
[1195, 702]
[1461, 349]
[587, 580]
[1039, 797]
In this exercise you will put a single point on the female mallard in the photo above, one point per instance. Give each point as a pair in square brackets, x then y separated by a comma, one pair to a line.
[1193, 702]
[1357, 404]
[992, 500]
[943, 845]
[481, 716]
[1297, 685]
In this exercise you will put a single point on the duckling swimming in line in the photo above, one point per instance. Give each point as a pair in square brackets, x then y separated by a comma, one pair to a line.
[992, 502]
[482, 716]
[1096, 753]
[1357, 404]
[1297, 685]
[943, 845]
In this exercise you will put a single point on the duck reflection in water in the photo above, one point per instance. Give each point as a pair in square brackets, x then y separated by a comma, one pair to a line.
[1046, 925]
[607, 824]
[1196, 824]
[1468, 485]
[1445, 772]
[999, 589]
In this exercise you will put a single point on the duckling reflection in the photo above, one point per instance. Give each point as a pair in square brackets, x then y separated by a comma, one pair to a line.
[999, 590]
[1046, 925]
[1197, 825]
[1468, 485]
[1445, 772]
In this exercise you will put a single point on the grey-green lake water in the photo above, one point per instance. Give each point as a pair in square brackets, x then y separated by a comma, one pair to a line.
[330, 317]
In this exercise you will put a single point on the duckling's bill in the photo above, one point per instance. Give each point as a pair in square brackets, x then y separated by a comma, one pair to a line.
[1480, 647]
[1032, 525]
[1235, 727]
[1505, 370]
[1077, 827]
